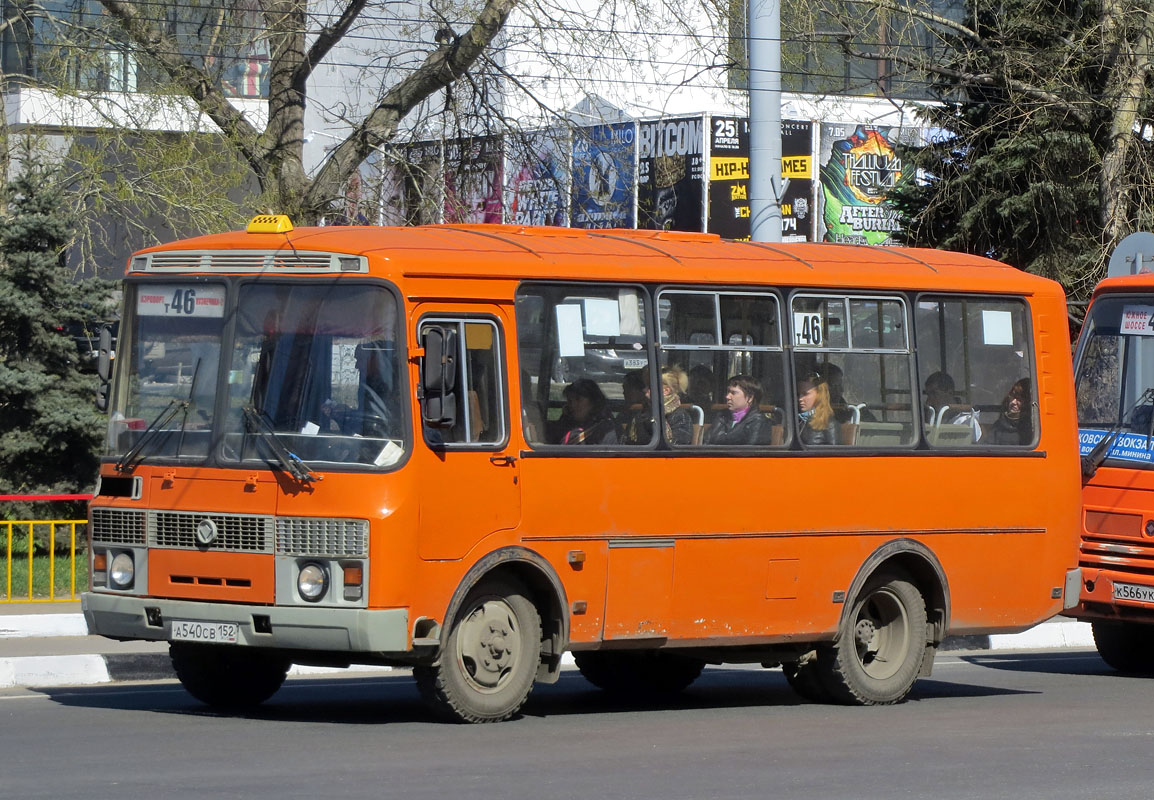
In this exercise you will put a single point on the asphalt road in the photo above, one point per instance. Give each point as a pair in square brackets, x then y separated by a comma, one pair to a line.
[986, 725]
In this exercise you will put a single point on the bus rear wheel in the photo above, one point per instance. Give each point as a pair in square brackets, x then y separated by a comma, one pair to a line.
[1125, 646]
[878, 653]
[638, 672]
[228, 677]
[488, 664]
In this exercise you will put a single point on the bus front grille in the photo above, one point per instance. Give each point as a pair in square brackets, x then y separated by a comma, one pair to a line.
[317, 536]
[235, 533]
[117, 526]
[1129, 556]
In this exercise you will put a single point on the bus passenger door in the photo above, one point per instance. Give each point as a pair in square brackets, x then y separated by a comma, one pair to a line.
[468, 472]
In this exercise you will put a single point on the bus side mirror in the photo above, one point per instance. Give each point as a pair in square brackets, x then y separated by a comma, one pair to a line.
[104, 367]
[439, 377]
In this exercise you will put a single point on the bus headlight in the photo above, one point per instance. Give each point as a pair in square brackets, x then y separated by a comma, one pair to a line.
[312, 582]
[122, 571]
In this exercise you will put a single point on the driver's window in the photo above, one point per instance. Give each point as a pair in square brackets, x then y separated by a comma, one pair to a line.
[480, 416]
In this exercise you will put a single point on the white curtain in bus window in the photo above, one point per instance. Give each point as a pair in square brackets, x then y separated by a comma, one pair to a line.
[976, 371]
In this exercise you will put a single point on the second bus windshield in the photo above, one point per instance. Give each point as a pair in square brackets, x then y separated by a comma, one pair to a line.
[1114, 370]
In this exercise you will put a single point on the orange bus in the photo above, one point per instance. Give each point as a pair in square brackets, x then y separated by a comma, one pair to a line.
[470, 449]
[1114, 377]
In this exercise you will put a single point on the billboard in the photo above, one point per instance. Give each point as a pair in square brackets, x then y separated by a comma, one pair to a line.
[859, 165]
[537, 168]
[729, 179]
[473, 188]
[603, 176]
[422, 178]
[797, 214]
[671, 174]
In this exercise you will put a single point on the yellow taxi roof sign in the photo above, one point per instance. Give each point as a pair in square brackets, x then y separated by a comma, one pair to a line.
[269, 223]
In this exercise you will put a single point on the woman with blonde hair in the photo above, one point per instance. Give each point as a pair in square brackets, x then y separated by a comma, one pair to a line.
[816, 420]
[678, 423]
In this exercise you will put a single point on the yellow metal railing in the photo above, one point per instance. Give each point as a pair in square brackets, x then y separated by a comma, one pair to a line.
[39, 588]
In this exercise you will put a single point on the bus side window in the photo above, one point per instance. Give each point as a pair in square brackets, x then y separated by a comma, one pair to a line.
[714, 337]
[852, 364]
[976, 372]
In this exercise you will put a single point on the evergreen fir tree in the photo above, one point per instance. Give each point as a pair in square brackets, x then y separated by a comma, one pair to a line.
[1033, 102]
[50, 430]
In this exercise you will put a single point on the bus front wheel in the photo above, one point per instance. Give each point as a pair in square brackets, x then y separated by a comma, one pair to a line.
[227, 676]
[878, 653]
[488, 664]
[1125, 646]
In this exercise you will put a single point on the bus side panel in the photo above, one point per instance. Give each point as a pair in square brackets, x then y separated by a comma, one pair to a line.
[763, 544]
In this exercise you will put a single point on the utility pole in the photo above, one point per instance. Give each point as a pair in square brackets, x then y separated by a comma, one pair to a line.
[765, 187]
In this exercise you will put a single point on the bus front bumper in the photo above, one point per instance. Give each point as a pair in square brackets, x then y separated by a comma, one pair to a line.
[336, 630]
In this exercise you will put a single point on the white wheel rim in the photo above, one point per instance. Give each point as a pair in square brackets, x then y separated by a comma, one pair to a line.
[489, 645]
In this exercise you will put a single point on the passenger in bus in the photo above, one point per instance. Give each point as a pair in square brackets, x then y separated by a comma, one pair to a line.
[635, 422]
[941, 403]
[843, 408]
[678, 423]
[586, 418]
[816, 421]
[742, 422]
[1014, 424]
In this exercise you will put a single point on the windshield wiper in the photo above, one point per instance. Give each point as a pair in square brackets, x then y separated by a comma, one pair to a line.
[188, 405]
[130, 459]
[288, 461]
[1092, 460]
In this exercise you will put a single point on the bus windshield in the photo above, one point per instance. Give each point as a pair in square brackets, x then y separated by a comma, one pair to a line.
[1115, 368]
[314, 366]
[173, 349]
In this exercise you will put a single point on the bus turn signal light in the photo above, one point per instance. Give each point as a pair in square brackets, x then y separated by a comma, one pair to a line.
[354, 574]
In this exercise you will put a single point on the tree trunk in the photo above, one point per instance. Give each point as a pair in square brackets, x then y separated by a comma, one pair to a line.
[1127, 83]
[285, 184]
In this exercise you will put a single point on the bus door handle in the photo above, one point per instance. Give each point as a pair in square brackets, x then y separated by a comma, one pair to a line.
[503, 461]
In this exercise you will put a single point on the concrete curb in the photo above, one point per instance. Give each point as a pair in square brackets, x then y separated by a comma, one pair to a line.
[47, 671]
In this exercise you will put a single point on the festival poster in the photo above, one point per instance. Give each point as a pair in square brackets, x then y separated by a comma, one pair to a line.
[473, 184]
[537, 169]
[859, 166]
[729, 214]
[671, 174]
[603, 176]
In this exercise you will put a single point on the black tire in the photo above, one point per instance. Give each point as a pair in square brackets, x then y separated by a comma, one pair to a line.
[227, 677]
[802, 676]
[1125, 646]
[489, 661]
[645, 673]
[878, 653]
